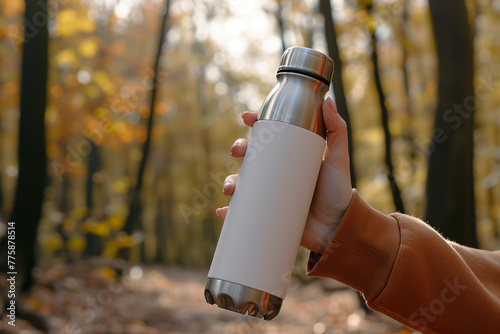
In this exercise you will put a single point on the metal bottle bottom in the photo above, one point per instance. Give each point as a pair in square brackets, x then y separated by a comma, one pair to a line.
[242, 299]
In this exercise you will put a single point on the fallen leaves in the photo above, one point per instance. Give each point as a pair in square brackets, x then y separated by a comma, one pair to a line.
[106, 297]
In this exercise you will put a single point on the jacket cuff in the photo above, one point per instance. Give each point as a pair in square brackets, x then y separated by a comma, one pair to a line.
[362, 251]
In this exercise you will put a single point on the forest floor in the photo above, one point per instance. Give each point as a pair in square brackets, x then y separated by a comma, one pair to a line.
[99, 297]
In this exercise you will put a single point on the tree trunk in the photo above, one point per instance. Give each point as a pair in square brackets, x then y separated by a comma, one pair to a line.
[32, 176]
[325, 8]
[281, 25]
[1, 200]
[32, 158]
[450, 184]
[165, 226]
[63, 208]
[131, 223]
[94, 243]
[396, 194]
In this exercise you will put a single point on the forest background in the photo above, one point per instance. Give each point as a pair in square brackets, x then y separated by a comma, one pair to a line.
[143, 101]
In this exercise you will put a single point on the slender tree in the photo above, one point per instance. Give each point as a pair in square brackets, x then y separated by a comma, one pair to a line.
[132, 221]
[396, 194]
[32, 157]
[165, 227]
[404, 50]
[62, 190]
[405, 47]
[32, 176]
[1, 199]
[450, 183]
[160, 231]
[94, 243]
[208, 227]
[325, 8]
[281, 25]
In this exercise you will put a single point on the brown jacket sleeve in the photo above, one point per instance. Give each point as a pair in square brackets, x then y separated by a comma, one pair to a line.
[409, 272]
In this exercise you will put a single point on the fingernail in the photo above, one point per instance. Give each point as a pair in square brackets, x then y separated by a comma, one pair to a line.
[217, 212]
[225, 186]
[330, 103]
[236, 144]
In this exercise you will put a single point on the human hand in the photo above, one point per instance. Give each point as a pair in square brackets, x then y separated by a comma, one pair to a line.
[333, 191]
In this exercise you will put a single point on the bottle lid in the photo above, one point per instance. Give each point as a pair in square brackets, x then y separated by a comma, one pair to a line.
[242, 299]
[308, 62]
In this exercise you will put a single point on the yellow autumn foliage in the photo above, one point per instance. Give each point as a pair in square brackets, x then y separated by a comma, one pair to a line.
[116, 222]
[98, 228]
[53, 241]
[77, 244]
[69, 22]
[88, 47]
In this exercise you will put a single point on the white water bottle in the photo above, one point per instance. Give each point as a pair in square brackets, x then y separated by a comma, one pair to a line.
[253, 262]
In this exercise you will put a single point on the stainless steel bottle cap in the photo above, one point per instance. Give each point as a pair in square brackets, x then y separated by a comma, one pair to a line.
[307, 61]
[242, 299]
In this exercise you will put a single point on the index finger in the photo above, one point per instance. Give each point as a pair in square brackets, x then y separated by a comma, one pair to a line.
[249, 118]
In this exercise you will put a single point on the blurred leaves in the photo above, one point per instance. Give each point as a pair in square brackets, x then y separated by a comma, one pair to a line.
[76, 244]
[70, 22]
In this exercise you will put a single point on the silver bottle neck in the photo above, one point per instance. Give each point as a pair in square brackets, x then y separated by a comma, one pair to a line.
[296, 99]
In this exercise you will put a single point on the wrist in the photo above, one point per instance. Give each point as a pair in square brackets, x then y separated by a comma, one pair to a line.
[362, 252]
[326, 231]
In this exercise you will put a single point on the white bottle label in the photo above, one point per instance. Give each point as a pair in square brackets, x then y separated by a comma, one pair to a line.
[268, 210]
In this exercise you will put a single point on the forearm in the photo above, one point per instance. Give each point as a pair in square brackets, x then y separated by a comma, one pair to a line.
[406, 270]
